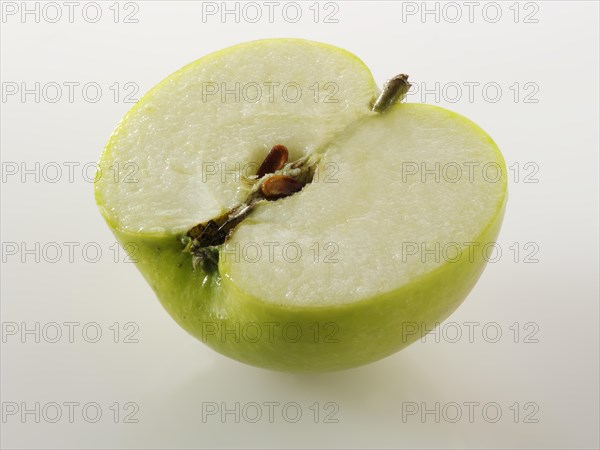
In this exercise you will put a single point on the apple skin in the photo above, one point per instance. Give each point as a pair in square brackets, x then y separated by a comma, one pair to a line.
[331, 338]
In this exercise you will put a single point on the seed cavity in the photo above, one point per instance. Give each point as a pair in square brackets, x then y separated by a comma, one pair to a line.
[276, 178]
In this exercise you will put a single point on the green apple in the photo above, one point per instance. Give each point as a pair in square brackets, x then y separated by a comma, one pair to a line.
[369, 230]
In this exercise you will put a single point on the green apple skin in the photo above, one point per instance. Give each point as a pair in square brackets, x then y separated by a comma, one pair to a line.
[211, 308]
[346, 336]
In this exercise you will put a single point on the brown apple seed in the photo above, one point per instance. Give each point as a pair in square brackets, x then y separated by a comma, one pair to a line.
[275, 160]
[279, 186]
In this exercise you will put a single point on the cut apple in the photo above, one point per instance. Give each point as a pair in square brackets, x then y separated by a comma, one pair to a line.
[369, 232]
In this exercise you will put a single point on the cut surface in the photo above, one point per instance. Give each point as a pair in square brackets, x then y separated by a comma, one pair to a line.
[395, 193]
[398, 196]
[180, 151]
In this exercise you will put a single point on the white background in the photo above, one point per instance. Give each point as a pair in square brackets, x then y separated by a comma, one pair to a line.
[550, 372]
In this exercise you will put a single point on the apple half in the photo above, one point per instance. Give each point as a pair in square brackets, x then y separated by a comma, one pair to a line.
[370, 230]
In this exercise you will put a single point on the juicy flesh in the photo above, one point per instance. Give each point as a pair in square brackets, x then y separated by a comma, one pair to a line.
[184, 144]
[352, 234]
[345, 236]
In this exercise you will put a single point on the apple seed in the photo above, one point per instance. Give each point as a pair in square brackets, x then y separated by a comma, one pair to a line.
[279, 186]
[275, 160]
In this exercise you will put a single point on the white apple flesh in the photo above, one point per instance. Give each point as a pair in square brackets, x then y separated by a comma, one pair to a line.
[385, 242]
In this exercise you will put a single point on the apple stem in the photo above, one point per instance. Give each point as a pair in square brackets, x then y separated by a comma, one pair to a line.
[393, 91]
